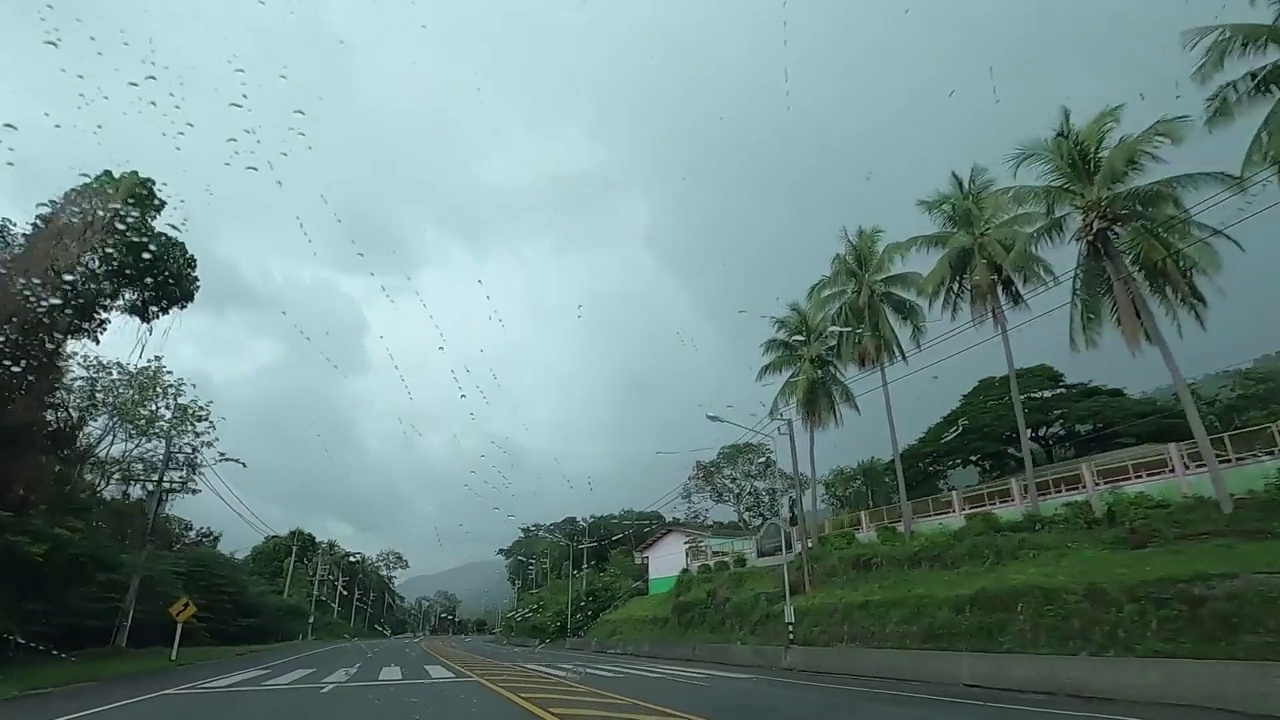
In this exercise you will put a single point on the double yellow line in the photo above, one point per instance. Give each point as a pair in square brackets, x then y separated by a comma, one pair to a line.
[544, 696]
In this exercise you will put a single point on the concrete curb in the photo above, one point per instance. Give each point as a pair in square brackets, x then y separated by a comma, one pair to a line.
[1246, 687]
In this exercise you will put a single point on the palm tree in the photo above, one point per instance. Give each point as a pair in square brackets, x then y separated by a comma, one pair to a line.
[867, 298]
[1229, 43]
[1138, 247]
[989, 256]
[804, 349]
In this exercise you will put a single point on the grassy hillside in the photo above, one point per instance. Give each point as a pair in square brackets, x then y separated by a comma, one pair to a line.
[1150, 578]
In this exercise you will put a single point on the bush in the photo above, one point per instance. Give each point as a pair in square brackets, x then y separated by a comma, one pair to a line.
[739, 560]
[889, 535]
[720, 566]
[704, 568]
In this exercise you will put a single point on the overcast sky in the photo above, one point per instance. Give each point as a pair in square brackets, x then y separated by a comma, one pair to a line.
[557, 223]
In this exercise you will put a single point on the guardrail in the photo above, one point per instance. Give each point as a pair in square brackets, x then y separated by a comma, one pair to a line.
[1175, 461]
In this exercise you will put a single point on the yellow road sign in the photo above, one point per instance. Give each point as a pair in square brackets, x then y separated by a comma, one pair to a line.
[183, 610]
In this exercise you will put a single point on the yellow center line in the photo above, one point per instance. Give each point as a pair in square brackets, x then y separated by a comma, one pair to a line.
[521, 702]
[583, 698]
[459, 658]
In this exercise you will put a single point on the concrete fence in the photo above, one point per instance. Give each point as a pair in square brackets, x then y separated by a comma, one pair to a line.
[1248, 687]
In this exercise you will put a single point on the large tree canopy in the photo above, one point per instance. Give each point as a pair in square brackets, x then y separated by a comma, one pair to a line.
[1064, 419]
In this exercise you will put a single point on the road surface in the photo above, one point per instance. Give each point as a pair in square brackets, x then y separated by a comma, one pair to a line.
[459, 678]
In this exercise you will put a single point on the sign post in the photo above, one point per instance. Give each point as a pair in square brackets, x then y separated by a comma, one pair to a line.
[181, 611]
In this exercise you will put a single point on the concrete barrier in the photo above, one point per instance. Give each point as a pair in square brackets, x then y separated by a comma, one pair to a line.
[1248, 687]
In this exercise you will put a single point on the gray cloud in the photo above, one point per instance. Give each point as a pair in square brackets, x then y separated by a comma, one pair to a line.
[574, 214]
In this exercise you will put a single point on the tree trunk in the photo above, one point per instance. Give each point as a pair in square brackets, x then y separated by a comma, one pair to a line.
[1122, 281]
[897, 456]
[813, 473]
[1028, 463]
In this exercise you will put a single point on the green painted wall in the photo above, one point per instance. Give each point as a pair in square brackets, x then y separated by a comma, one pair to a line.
[657, 586]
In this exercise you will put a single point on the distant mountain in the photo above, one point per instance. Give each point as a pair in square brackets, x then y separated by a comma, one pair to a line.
[479, 585]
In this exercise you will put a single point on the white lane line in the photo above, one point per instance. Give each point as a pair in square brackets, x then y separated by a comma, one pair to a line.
[700, 671]
[148, 696]
[342, 674]
[547, 670]
[223, 682]
[438, 671]
[592, 671]
[390, 672]
[289, 677]
[633, 671]
[960, 701]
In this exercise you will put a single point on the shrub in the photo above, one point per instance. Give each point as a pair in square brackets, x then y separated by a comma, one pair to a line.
[889, 535]
[704, 568]
[739, 560]
[720, 565]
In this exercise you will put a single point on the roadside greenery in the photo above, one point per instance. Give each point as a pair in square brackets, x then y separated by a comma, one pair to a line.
[83, 443]
[1148, 577]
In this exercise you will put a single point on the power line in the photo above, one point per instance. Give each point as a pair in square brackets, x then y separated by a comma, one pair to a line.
[257, 526]
[1238, 190]
[1233, 191]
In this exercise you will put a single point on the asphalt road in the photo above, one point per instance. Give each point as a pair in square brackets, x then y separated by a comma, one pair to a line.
[468, 678]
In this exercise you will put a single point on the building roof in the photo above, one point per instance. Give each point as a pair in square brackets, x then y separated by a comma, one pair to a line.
[690, 530]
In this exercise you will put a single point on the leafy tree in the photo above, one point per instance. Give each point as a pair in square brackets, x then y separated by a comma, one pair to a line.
[743, 477]
[866, 485]
[1225, 44]
[94, 253]
[865, 292]
[988, 257]
[390, 562]
[122, 414]
[1139, 248]
[804, 349]
[1064, 420]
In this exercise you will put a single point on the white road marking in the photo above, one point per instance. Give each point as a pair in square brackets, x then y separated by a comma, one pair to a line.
[223, 682]
[148, 696]
[390, 672]
[327, 688]
[699, 671]
[342, 674]
[289, 677]
[593, 671]
[962, 701]
[438, 671]
[318, 686]
[547, 670]
[633, 670]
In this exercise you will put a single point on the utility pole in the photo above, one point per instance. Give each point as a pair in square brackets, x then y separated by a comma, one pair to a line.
[153, 509]
[586, 542]
[368, 606]
[804, 525]
[355, 600]
[337, 593]
[568, 605]
[315, 590]
[293, 556]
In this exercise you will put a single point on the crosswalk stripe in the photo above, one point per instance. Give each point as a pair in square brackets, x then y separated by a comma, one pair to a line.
[438, 671]
[593, 671]
[342, 675]
[547, 670]
[632, 670]
[289, 677]
[675, 671]
[701, 671]
[390, 672]
[226, 681]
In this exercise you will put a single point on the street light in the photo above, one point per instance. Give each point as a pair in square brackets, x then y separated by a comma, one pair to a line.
[795, 470]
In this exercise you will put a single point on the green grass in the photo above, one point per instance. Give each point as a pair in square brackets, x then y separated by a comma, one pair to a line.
[94, 665]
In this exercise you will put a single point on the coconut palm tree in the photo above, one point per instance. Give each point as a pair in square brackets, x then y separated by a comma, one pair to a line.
[868, 298]
[805, 351]
[1227, 44]
[989, 257]
[1139, 249]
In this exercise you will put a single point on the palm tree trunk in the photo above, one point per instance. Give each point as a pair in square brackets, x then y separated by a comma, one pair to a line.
[813, 473]
[1122, 279]
[1028, 464]
[897, 456]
